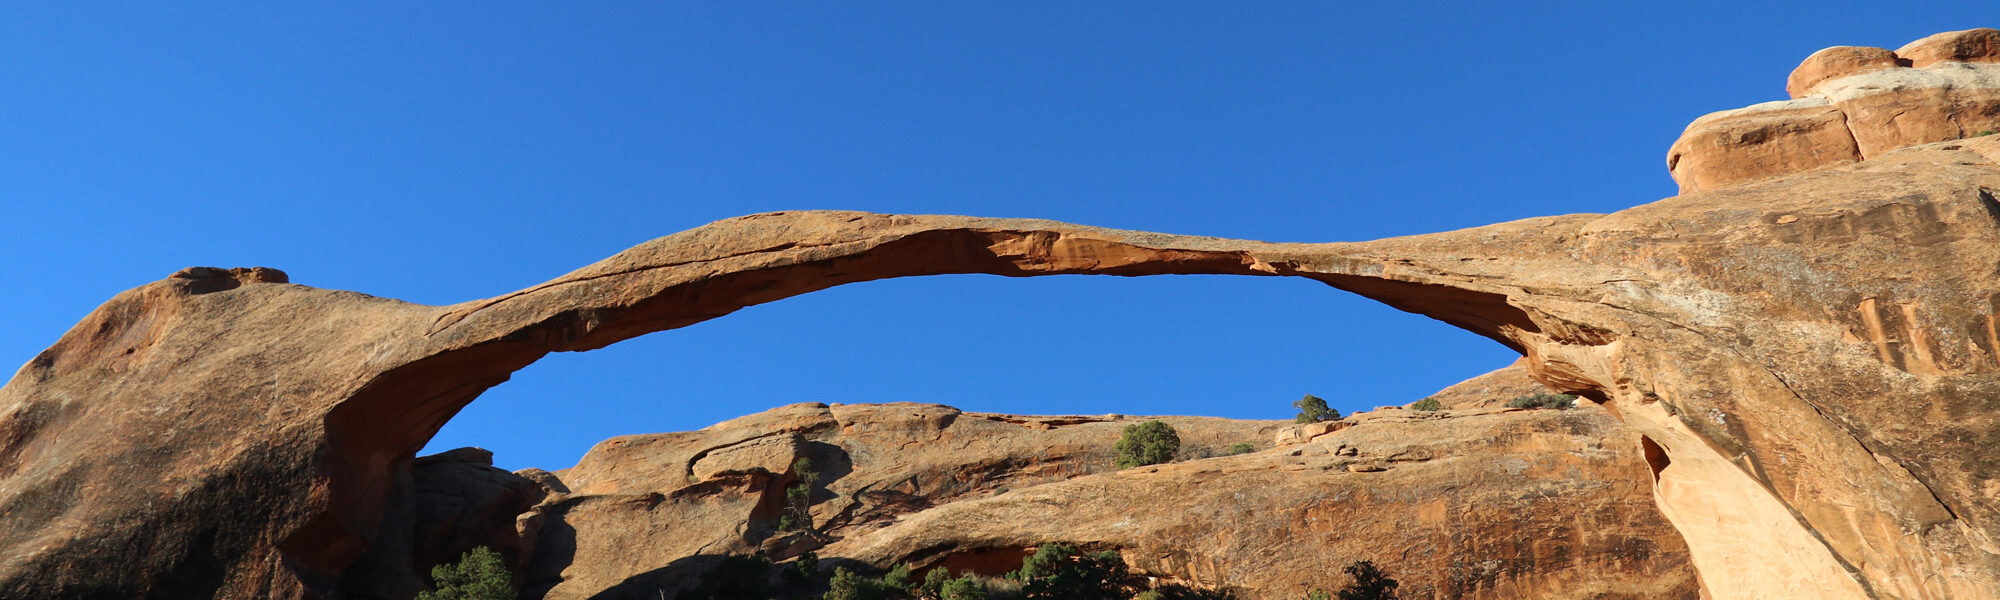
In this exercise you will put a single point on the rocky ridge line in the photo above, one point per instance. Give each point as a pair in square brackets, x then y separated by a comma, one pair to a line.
[1849, 103]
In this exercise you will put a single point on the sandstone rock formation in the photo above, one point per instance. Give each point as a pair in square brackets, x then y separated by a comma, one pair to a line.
[646, 509]
[1463, 504]
[1849, 103]
[1492, 390]
[1810, 363]
[445, 505]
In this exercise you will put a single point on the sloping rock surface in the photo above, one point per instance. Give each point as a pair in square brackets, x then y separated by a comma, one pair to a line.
[1492, 390]
[1460, 504]
[876, 463]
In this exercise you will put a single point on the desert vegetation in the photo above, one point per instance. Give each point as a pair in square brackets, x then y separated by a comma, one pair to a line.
[1543, 400]
[478, 575]
[798, 497]
[1313, 409]
[1053, 571]
[1148, 443]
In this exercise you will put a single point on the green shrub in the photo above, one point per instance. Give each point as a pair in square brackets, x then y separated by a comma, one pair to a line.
[1369, 583]
[1314, 409]
[1427, 404]
[1239, 448]
[1318, 594]
[798, 497]
[898, 578]
[967, 587]
[1148, 443]
[847, 585]
[1058, 572]
[478, 575]
[1150, 595]
[1986, 132]
[934, 580]
[802, 570]
[1543, 400]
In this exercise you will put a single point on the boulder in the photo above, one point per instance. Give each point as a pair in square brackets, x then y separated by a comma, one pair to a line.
[1971, 45]
[1835, 63]
[1849, 103]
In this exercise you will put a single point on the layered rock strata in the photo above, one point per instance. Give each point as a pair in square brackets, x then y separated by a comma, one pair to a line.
[648, 513]
[1481, 503]
[1849, 103]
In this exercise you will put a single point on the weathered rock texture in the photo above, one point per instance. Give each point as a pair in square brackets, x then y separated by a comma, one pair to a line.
[1461, 504]
[646, 510]
[1811, 362]
[447, 504]
[1492, 390]
[1849, 103]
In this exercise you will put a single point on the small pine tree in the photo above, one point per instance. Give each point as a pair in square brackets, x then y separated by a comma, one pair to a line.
[1057, 572]
[798, 497]
[846, 585]
[1044, 562]
[898, 578]
[966, 587]
[1313, 409]
[478, 575]
[1369, 583]
[1148, 443]
[934, 582]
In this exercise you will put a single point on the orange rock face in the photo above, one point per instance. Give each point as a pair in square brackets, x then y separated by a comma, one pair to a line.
[1971, 45]
[1849, 103]
[1460, 504]
[649, 513]
[1753, 143]
[1835, 63]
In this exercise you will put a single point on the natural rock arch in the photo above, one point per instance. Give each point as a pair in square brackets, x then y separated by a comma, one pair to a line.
[1806, 342]
[304, 401]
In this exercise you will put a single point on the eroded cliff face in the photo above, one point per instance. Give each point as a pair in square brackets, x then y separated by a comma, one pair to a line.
[648, 513]
[1476, 503]
[1810, 360]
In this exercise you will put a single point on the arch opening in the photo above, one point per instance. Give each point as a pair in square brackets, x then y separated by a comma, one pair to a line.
[1196, 345]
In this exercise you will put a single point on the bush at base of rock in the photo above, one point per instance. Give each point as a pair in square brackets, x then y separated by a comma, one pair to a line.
[968, 587]
[1059, 572]
[1543, 400]
[1370, 583]
[478, 575]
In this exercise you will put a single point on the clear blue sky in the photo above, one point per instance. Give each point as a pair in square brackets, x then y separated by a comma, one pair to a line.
[443, 151]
